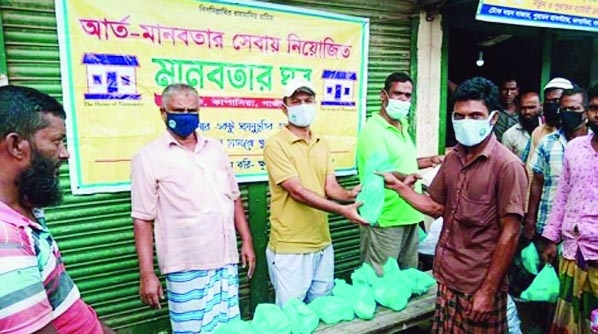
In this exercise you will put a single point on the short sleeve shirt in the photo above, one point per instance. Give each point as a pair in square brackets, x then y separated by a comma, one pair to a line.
[189, 195]
[35, 289]
[476, 195]
[382, 139]
[296, 227]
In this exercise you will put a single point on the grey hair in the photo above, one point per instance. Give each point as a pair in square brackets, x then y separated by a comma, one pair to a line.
[176, 88]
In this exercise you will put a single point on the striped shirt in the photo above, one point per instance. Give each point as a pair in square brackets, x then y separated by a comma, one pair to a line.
[35, 289]
[547, 160]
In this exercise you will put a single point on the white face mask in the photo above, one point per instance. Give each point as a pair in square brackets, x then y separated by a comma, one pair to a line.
[397, 109]
[470, 132]
[302, 115]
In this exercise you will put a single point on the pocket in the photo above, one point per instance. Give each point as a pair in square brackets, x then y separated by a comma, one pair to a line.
[475, 212]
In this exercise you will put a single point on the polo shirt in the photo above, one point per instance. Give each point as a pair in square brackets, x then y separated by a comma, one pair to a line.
[35, 289]
[296, 227]
[475, 195]
[189, 195]
[382, 139]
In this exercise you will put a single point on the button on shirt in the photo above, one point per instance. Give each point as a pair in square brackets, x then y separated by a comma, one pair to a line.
[190, 197]
[548, 161]
[476, 195]
[574, 214]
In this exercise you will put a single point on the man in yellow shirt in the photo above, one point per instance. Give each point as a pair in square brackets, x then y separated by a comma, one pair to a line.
[302, 183]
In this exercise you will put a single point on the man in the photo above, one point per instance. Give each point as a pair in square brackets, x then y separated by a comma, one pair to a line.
[553, 91]
[574, 220]
[507, 113]
[36, 294]
[516, 138]
[479, 191]
[547, 160]
[301, 179]
[184, 190]
[385, 136]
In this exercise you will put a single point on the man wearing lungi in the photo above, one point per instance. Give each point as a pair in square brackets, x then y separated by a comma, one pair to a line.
[183, 189]
[480, 192]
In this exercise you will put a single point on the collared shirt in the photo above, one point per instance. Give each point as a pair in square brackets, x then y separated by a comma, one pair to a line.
[296, 227]
[547, 160]
[504, 122]
[475, 195]
[516, 139]
[190, 197]
[378, 138]
[35, 289]
[574, 214]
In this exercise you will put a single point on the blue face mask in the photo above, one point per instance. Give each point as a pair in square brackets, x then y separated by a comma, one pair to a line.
[182, 124]
[471, 132]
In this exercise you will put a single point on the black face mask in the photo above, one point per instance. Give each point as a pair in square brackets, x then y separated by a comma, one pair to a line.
[38, 184]
[594, 127]
[571, 120]
[551, 114]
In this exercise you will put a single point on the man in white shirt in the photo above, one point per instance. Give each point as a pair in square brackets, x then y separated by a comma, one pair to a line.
[516, 138]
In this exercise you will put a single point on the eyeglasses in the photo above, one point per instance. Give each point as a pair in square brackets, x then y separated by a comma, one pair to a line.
[182, 110]
[570, 110]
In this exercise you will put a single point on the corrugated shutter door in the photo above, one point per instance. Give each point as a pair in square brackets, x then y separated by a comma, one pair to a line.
[389, 51]
[94, 233]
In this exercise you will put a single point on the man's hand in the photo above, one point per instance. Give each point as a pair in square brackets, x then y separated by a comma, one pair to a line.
[529, 227]
[350, 212]
[549, 253]
[481, 306]
[436, 160]
[248, 257]
[150, 290]
[355, 191]
[392, 181]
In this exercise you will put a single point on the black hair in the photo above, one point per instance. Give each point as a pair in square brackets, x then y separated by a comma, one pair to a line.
[574, 91]
[396, 77]
[478, 89]
[592, 92]
[22, 110]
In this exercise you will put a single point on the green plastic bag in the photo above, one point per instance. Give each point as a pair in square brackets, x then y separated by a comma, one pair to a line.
[364, 275]
[372, 188]
[418, 281]
[332, 309]
[421, 234]
[530, 258]
[544, 288]
[269, 319]
[302, 319]
[392, 289]
[360, 296]
[235, 327]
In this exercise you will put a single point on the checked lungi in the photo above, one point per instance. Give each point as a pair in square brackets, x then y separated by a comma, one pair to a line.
[201, 300]
[450, 316]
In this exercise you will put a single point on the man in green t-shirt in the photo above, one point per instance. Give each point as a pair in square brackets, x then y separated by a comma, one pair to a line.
[386, 135]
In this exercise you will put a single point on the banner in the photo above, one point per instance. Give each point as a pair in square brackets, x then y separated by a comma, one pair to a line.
[564, 14]
[117, 56]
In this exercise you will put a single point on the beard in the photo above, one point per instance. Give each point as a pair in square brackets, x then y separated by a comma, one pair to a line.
[529, 123]
[39, 184]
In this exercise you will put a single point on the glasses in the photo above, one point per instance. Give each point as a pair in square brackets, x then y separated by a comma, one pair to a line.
[570, 110]
[182, 110]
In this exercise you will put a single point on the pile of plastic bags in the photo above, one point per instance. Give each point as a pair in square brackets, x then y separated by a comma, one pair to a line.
[392, 290]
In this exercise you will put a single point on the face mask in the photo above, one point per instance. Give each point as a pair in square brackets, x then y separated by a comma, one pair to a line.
[470, 132]
[302, 115]
[594, 127]
[551, 113]
[397, 109]
[38, 184]
[571, 120]
[182, 124]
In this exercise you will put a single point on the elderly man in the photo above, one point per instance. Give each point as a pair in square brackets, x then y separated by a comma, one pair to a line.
[184, 191]
[480, 192]
[301, 181]
[36, 293]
